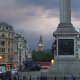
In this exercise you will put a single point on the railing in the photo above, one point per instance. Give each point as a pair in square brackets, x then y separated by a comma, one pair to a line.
[46, 78]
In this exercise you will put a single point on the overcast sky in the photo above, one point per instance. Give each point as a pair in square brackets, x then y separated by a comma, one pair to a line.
[33, 18]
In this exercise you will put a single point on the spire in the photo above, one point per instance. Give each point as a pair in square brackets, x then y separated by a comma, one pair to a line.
[41, 40]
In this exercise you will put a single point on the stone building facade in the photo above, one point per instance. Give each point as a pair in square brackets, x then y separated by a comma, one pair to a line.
[21, 49]
[13, 47]
[6, 43]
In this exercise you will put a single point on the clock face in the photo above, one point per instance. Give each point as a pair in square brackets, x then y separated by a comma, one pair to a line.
[39, 44]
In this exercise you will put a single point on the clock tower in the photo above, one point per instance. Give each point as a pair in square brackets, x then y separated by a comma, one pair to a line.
[41, 44]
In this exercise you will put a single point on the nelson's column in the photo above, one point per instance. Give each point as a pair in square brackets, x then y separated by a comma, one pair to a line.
[65, 56]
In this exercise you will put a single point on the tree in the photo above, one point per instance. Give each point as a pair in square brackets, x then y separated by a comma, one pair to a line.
[41, 56]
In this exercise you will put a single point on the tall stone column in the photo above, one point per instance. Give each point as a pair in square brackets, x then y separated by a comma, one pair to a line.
[65, 36]
[65, 11]
[65, 31]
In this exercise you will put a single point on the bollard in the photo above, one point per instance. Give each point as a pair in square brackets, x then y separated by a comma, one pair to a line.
[64, 78]
[45, 77]
[18, 77]
[73, 78]
[55, 78]
[24, 78]
[38, 78]
[30, 78]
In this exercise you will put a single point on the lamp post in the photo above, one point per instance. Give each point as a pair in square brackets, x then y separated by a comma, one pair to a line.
[19, 58]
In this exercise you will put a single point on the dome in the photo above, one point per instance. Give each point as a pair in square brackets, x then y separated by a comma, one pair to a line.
[5, 27]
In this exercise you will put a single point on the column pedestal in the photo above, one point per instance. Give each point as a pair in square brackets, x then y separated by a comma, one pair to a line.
[65, 68]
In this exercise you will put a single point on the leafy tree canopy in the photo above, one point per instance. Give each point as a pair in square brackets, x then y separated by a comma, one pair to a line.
[41, 56]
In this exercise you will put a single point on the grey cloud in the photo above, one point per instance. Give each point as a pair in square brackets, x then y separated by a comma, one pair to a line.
[52, 4]
[48, 4]
[76, 9]
[75, 5]
[26, 16]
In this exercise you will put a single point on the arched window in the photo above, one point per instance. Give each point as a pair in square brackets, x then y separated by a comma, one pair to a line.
[2, 27]
[2, 43]
[6, 27]
[3, 35]
[9, 35]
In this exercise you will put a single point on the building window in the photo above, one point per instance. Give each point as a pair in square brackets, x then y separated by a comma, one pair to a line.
[12, 43]
[8, 43]
[0, 50]
[9, 58]
[2, 27]
[8, 49]
[2, 43]
[9, 35]
[3, 50]
[76, 49]
[2, 35]
[12, 35]
[20, 45]
[11, 49]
